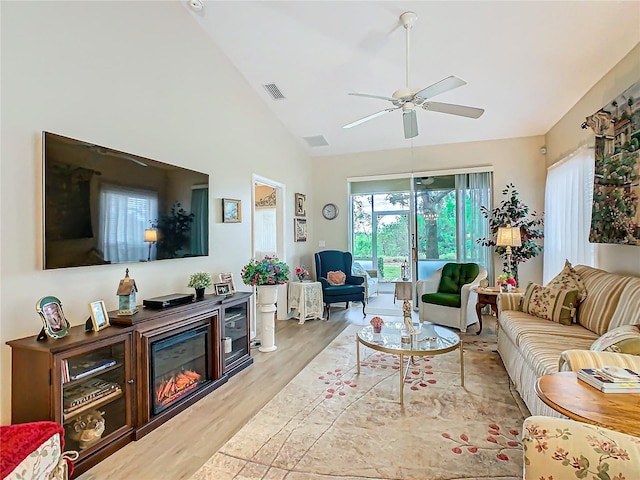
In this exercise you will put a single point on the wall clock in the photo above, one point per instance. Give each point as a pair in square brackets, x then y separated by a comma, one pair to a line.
[330, 211]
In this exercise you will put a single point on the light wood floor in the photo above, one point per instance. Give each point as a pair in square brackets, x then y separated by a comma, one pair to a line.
[179, 447]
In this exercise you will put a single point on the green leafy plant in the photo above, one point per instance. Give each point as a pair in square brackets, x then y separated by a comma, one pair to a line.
[513, 211]
[200, 280]
[268, 271]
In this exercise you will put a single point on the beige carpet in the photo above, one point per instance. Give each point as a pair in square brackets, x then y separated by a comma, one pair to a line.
[329, 423]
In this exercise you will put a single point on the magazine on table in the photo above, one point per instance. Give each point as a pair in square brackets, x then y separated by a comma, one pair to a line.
[611, 379]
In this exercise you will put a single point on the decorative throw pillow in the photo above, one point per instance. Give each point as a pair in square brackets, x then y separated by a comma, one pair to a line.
[550, 303]
[336, 278]
[624, 339]
[569, 279]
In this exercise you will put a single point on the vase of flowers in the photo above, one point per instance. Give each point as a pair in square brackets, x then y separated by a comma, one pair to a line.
[377, 323]
[200, 281]
[506, 281]
[301, 272]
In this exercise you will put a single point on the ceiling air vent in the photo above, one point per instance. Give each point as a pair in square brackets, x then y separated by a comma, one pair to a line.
[317, 141]
[274, 91]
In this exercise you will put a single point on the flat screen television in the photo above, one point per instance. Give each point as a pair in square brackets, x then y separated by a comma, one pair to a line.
[104, 206]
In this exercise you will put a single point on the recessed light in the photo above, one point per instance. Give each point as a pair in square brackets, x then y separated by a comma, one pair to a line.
[196, 5]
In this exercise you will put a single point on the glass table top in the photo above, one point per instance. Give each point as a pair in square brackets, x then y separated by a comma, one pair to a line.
[430, 339]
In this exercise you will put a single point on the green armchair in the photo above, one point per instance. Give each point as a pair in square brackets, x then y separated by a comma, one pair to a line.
[447, 297]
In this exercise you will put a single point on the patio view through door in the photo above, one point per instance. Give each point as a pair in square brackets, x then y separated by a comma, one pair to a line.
[425, 221]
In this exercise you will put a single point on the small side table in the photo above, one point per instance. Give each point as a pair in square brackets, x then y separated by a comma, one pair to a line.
[305, 300]
[566, 394]
[489, 296]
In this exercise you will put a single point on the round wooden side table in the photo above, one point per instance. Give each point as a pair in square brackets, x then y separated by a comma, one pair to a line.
[566, 394]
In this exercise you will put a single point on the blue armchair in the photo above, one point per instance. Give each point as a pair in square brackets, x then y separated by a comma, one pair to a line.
[351, 291]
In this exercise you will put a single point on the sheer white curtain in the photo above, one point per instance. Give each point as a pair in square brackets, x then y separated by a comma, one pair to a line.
[265, 225]
[124, 215]
[473, 191]
[567, 216]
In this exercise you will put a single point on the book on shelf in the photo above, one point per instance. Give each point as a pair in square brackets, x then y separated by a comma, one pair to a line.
[611, 381]
[86, 392]
[87, 367]
[70, 413]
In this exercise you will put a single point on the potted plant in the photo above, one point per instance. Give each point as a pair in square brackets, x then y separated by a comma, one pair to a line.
[200, 281]
[514, 212]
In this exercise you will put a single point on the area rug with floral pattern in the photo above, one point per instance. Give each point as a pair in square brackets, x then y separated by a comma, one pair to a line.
[329, 423]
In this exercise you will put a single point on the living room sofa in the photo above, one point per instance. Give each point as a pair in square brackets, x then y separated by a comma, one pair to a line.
[531, 347]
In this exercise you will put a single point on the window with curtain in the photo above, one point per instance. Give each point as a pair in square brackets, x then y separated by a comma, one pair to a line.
[125, 213]
[568, 198]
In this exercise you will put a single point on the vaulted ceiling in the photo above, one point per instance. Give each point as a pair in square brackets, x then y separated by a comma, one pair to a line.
[526, 63]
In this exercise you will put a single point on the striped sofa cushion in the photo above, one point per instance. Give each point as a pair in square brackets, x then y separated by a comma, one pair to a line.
[574, 360]
[603, 294]
[516, 324]
[543, 351]
[628, 309]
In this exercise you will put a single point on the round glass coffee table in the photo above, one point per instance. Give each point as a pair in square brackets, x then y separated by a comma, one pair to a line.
[431, 340]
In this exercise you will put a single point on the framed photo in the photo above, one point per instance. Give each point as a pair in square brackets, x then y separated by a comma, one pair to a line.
[228, 278]
[301, 208]
[300, 229]
[54, 323]
[231, 210]
[223, 288]
[99, 316]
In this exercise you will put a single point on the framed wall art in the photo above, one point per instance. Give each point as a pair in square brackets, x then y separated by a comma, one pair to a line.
[300, 229]
[54, 323]
[99, 316]
[231, 210]
[301, 208]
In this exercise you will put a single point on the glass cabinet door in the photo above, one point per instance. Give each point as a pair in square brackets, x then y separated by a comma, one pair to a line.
[235, 334]
[95, 394]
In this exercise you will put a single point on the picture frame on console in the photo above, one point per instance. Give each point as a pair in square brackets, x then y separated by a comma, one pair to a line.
[99, 315]
[223, 288]
[231, 210]
[54, 323]
[227, 277]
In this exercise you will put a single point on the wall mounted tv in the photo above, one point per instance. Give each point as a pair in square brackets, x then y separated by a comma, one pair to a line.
[103, 206]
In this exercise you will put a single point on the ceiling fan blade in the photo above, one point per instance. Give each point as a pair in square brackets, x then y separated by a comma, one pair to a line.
[451, 109]
[369, 117]
[442, 86]
[410, 124]
[381, 97]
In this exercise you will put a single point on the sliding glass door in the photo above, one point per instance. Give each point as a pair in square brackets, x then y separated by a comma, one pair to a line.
[427, 220]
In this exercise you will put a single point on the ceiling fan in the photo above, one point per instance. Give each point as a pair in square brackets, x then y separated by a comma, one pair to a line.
[407, 98]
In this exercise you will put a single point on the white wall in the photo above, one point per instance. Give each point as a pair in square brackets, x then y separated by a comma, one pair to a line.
[140, 77]
[515, 161]
[566, 136]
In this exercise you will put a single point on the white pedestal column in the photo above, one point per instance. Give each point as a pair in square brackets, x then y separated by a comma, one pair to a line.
[267, 296]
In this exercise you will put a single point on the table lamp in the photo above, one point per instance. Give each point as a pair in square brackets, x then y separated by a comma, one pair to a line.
[508, 237]
[150, 236]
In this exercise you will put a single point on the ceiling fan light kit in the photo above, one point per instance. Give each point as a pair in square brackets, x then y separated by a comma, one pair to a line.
[408, 98]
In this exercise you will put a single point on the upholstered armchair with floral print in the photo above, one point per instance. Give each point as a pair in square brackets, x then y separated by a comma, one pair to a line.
[558, 448]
